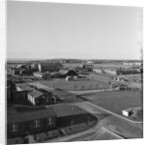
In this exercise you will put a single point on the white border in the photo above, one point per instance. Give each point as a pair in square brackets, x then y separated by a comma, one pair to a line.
[146, 38]
[2, 71]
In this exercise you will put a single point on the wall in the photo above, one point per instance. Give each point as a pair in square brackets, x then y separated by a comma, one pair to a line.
[27, 127]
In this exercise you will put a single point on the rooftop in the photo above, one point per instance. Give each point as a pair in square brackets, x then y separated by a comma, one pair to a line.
[24, 87]
[35, 94]
[15, 116]
[66, 110]
[40, 86]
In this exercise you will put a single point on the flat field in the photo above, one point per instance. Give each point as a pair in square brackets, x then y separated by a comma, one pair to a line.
[116, 101]
[76, 85]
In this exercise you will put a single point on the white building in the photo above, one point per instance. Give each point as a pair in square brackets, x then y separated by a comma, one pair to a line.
[127, 112]
[35, 96]
[110, 71]
[99, 71]
[38, 75]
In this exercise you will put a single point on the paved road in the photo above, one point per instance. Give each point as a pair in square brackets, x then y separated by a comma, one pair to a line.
[83, 92]
[109, 126]
[97, 132]
[110, 112]
[115, 122]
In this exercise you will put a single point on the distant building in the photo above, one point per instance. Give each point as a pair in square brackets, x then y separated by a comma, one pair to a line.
[30, 121]
[42, 67]
[110, 71]
[38, 75]
[71, 78]
[132, 63]
[96, 70]
[42, 75]
[88, 67]
[17, 71]
[129, 71]
[89, 62]
[120, 78]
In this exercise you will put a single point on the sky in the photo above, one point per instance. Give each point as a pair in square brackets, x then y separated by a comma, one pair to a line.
[51, 30]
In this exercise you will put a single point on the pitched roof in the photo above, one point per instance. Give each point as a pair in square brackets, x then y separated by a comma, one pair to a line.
[40, 86]
[67, 110]
[35, 94]
[22, 116]
[24, 87]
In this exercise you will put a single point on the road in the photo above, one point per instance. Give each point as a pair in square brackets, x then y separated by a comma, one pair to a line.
[115, 122]
[109, 126]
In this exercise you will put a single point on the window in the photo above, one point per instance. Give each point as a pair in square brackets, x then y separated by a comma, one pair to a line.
[14, 128]
[37, 123]
[50, 121]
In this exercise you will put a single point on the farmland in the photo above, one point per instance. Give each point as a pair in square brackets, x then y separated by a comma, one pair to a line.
[116, 101]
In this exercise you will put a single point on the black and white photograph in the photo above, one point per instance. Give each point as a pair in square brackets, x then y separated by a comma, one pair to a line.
[74, 72]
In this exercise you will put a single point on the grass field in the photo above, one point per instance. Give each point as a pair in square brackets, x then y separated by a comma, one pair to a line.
[76, 85]
[116, 101]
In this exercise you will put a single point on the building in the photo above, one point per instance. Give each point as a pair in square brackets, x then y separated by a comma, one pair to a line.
[88, 67]
[42, 67]
[42, 75]
[21, 123]
[110, 71]
[17, 71]
[36, 97]
[120, 78]
[129, 71]
[71, 78]
[96, 70]
[19, 96]
[132, 63]
[23, 87]
[68, 115]
[66, 72]
[127, 112]
[38, 75]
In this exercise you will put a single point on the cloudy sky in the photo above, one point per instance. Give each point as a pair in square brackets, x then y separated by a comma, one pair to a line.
[49, 30]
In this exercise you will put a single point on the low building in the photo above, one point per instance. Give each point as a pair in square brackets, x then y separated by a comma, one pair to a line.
[68, 72]
[120, 79]
[110, 71]
[17, 71]
[88, 67]
[51, 67]
[71, 78]
[20, 96]
[132, 63]
[21, 123]
[129, 71]
[96, 70]
[23, 87]
[36, 97]
[127, 112]
[38, 75]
